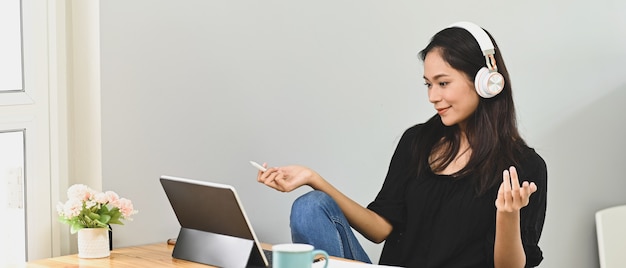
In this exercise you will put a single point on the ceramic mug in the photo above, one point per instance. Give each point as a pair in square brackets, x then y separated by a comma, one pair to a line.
[296, 256]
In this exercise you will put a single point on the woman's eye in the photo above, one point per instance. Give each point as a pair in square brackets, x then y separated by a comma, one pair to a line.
[428, 85]
[443, 84]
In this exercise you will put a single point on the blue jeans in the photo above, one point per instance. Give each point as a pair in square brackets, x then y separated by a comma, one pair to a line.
[317, 220]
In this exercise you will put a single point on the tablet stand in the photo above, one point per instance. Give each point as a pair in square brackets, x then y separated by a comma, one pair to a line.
[212, 249]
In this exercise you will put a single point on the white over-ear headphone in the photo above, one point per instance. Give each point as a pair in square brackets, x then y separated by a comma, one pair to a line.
[488, 81]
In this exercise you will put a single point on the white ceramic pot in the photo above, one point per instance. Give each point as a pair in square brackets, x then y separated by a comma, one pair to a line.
[93, 243]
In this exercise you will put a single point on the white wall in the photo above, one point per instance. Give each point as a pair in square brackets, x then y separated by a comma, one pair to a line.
[197, 88]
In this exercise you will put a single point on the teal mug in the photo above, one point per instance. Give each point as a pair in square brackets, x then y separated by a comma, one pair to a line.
[296, 256]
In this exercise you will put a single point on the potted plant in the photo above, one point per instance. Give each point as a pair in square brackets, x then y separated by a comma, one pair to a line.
[90, 214]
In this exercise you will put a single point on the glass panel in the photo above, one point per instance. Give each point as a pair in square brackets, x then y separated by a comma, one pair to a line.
[11, 79]
[13, 231]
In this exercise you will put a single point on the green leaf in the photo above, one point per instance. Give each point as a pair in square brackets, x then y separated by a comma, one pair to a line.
[116, 221]
[64, 220]
[75, 227]
[116, 216]
[94, 216]
[104, 210]
[100, 224]
[105, 219]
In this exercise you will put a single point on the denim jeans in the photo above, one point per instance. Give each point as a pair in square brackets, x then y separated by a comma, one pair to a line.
[317, 220]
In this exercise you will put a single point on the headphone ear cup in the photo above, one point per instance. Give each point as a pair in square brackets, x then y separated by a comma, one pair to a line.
[488, 84]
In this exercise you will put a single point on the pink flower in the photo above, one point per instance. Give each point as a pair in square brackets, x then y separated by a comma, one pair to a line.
[70, 209]
[100, 198]
[111, 197]
[126, 207]
[80, 192]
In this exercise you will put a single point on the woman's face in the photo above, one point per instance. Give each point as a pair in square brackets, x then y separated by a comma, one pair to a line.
[450, 90]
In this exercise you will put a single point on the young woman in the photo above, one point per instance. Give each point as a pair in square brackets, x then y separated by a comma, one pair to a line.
[462, 190]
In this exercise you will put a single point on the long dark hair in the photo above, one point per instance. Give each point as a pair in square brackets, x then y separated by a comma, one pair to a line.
[492, 129]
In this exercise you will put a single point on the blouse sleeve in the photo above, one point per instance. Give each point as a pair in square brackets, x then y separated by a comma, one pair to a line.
[533, 216]
[389, 203]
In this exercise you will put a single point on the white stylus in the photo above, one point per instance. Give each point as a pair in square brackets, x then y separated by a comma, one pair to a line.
[256, 165]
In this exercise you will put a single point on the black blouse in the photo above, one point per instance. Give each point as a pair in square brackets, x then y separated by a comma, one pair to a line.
[440, 221]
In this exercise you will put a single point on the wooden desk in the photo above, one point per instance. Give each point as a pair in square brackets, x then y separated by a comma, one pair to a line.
[154, 255]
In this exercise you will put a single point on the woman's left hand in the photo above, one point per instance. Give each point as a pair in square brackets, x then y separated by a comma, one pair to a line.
[511, 196]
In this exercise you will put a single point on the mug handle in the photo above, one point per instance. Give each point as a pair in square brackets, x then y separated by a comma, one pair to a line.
[321, 252]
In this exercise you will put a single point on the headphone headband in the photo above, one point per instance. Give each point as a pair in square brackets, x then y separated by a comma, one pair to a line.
[479, 34]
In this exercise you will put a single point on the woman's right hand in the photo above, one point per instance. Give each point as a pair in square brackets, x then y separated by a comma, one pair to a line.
[287, 178]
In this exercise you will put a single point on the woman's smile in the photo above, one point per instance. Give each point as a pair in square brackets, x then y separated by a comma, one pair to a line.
[441, 111]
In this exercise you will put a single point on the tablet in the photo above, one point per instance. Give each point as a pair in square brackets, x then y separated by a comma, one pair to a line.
[214, 228]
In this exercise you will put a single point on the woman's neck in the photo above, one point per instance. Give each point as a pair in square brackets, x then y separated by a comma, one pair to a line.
[459, 161]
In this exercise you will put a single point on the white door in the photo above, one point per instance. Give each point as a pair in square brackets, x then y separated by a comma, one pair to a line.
[11, 194]
[25, 174]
